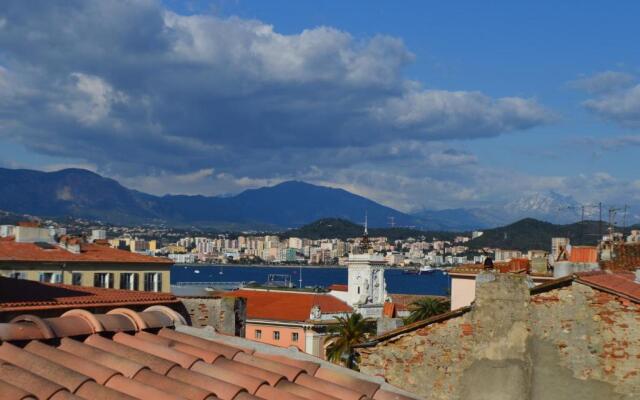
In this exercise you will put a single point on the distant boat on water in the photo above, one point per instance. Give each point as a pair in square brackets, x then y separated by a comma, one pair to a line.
[423, 270]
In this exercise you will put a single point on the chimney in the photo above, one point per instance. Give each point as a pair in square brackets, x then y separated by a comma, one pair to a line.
[638, 275]
[500, 317]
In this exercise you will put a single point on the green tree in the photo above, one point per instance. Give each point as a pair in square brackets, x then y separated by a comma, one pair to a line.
[349, 332]
[426, 307]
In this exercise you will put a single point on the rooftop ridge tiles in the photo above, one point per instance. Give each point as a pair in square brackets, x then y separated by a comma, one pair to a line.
[164, 364]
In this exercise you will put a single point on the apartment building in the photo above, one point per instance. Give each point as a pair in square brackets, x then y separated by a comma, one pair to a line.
[32, 253]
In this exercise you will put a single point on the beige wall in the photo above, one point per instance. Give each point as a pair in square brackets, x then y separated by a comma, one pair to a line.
[87, 271]
[463, 291]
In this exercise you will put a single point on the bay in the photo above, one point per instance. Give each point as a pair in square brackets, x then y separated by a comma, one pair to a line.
[433, 283]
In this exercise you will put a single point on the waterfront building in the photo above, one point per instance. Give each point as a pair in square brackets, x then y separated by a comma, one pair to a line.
[506, 255]
[287, 318]
[33, 254]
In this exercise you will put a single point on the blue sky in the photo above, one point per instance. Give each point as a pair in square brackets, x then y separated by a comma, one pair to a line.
[413, 103]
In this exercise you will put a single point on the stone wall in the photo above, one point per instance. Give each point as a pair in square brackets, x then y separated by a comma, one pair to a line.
[568, 343]
[226, 315]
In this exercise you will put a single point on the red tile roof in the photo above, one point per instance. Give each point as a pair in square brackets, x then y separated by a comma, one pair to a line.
[142, 356]
[339, 288]
[403, 301]
[619, 283]
[12, 251]
[30, 296]
[584, 254]
[287, 306]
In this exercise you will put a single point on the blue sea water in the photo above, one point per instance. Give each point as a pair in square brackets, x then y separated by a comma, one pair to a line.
[434, 283]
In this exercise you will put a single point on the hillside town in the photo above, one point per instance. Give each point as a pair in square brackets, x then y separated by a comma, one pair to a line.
[45, 270]
[319, 200]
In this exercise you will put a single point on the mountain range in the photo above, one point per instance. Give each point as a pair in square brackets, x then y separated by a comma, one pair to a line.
[291, 204]
[525, 234]
[81, 193]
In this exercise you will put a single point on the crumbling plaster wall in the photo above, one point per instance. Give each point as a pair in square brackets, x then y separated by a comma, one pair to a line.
[568, 343]
[225, 314]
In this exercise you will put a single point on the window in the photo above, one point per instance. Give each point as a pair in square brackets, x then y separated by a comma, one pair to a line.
[18, 275]
[129, 281]
[76, 278]
[276, 335]
[153, 282]
[258, 334]
[103, 280]
[294, 337]
[358, 289]
[50, 277]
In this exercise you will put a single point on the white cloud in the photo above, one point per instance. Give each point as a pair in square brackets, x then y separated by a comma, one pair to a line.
[441, 114]
[91, 99]
[137, 82]
[603, 82]
[622, 107]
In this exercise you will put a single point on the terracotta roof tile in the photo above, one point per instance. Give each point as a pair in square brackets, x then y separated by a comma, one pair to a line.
[338, 287]
[11, 251]
[287, 306]
[584, 254]
[403, 301]
[162, 365]
[28, 296]
[618, 283]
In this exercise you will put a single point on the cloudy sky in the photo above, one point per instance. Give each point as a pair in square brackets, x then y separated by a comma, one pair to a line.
[415, 104]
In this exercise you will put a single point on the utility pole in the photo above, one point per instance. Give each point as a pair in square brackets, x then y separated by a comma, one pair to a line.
[600, 220]
[624, 218]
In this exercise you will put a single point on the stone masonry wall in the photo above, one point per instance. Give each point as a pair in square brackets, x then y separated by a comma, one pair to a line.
[576, 343]
[226, 315]
[595, 335]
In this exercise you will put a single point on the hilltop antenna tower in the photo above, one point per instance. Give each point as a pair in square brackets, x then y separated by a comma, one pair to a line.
[583, 208]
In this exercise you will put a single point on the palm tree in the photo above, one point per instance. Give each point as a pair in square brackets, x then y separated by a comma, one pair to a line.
[426, 307]
[347, 333]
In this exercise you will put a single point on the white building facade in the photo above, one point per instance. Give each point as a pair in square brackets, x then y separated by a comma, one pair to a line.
[367, 290]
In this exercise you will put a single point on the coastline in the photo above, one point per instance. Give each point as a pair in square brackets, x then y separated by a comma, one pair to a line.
[259, 266]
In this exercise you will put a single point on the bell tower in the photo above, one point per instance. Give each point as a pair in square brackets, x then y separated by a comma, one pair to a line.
[367, 290]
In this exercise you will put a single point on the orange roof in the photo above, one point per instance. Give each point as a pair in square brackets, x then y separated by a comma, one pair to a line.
[29, 224]
[24, 295]
[339, 287]
[584, 254]
[619, 283]
[145, 355]
[515, 265]
[286, 306]
[12, 251]
[389, 310]
[403, 301]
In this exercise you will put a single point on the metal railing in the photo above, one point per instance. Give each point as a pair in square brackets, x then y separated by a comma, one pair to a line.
[211, 284]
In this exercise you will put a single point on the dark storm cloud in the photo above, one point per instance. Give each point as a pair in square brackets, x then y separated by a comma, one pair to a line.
[132, 87]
